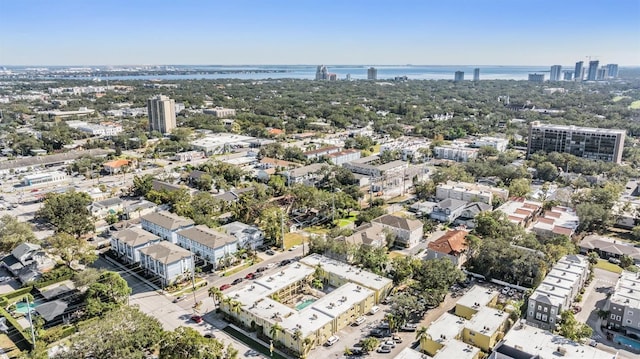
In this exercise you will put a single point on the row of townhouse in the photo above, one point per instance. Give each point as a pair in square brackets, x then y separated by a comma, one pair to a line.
[624, 305]
[557, 291]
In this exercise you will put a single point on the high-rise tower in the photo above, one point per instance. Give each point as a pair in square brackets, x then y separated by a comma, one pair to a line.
[556, 70]
[476, 74]
[578, 73]
[162, 114]
[372, 73]
[592, 74]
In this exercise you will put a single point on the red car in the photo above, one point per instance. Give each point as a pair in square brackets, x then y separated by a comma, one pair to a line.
[249, 276]
[225, 286]
[196, 318]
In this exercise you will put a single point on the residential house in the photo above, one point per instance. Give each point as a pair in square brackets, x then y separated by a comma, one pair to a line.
[557, 291]
[624, 305]
[521, 211]
[209, 245]
[233, 195]
[609, 248]
[27, 262]
[248, 236]
[306, 175]
[128, 242]
[422, 208]
[53, 312]
[157, 185]
[408, 231]
[165, 224]
[447, 210]
[451, 245]
[557, 221]
[102, 209]
[116, 166]
[455, 152]
[469, 212]
[168, 261]
[138, 209]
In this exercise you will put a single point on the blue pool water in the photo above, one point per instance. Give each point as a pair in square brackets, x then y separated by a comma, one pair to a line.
[627, 342]
[305, 303]
[21, 307]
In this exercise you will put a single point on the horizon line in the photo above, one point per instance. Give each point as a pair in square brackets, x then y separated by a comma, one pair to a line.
[243, 65]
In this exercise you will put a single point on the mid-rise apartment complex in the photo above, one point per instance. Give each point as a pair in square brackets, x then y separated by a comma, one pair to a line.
[557, 291]
[372, 73]
[162, 114]
[556, 70]
[592, 143]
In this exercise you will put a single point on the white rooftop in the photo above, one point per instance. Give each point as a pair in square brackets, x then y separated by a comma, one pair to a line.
[477, 297]
[458, 350]
[351, 273]
[627, 291]
[487, 320]
[446, 328]
[529, 342]
[408, 353]
[220, 139]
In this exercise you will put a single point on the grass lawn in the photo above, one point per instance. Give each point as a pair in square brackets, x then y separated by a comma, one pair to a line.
[343, 222]
[316, 230]
[635, 105]
[9, 346]
[618, 98]
[293, 239]
[397, 199]
[603, 264]
[394, 254]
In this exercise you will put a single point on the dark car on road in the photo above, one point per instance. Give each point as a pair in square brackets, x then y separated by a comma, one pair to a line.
[270, 252]
[285, 262]
[237, 281]
[261, 269]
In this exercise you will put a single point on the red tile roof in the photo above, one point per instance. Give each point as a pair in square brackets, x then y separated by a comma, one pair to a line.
[452, 242]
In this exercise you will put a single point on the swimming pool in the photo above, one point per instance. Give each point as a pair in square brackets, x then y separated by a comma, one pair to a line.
[22, 307]
[628, 342]
[305, 303]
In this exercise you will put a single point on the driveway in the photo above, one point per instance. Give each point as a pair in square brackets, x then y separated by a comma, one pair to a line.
[594, 299]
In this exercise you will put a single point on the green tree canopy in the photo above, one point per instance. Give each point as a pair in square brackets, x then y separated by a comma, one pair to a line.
[13, 232]
[67, 212]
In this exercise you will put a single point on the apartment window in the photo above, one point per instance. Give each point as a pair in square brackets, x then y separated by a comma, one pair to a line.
[553, 311]
[546, 309]
[618, 318]
[544, 318]
[538, 316]
[539, 307]
[628, 321]
[613, 317]
[630, 313]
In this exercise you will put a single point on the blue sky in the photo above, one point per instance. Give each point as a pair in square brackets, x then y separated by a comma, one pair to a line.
[441, 32]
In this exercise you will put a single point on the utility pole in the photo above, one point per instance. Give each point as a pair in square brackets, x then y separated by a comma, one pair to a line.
[193, 280]
[282, 228]
[33, 333]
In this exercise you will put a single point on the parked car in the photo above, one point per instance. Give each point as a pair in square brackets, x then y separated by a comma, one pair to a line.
[271, 265]
[397, 339]
[225, 286]
[270, 252]
[209, 335]
[332, 340]
[237, 281]
[614, 260]
[251, 353]
[505, 290]
[390, 343]
[379, 333]
[359, 321]
[384, 349]
[196, 318]
[285, 262]
[178, 298]
[409, 327]
[356, 352]
[257, 275]
[375, 309]
[261, 269]
[249, 276]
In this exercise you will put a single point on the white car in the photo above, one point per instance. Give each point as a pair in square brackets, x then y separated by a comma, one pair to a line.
[360, 320]
[332, 340]
[505, 290]
[374, 310]
[271, 265]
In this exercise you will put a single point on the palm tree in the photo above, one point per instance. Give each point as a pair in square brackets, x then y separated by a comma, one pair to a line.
[216, 294]
[226, 301]
[391, 319]
[422, 335]
[319, 272]
[275, 330]
[317, 283]
[297, 335]
[307, 343]
[236, 306]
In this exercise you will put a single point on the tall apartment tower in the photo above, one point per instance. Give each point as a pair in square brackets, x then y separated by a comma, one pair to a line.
[458, 76]
[322, 73]
[602, 74]
[578, 74]
[556, 70]
[568, 75]
[372, 73]
[592, 74]
[476, 74]
[612, 70]
[162, 114]
[591, 143]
